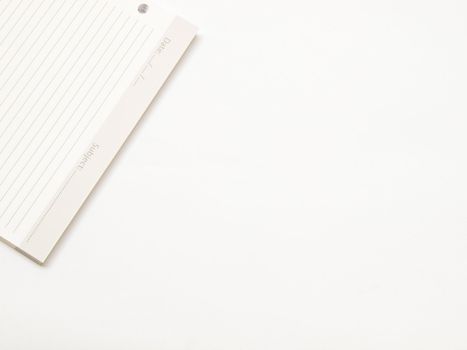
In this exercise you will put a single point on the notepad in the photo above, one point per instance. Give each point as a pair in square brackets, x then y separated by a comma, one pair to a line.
[75, 78]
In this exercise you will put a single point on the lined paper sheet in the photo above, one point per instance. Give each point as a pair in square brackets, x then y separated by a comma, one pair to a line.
[63, 67]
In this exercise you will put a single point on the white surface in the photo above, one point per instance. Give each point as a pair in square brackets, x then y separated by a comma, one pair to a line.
[299, 184]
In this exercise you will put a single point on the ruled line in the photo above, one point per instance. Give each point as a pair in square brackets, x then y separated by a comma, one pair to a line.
[11, 15]
[52, 96]
[45, 59]
[42, 62]
[16, 23]
[82, 132]
[71, 132]
[60, 100]
[65, 125]
[74, 112]
[26, 55]
[3, 11]
[76, 92]
[63, 66]
[64, 186]
[25, 39]
[27, 24]
[45, 90]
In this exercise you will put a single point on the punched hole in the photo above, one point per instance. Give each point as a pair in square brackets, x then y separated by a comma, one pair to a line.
[143, 8]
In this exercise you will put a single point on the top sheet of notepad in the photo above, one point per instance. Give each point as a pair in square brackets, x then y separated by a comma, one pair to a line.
[63, 67]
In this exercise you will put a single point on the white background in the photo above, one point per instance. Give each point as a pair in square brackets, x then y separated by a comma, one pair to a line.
[300, 183]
